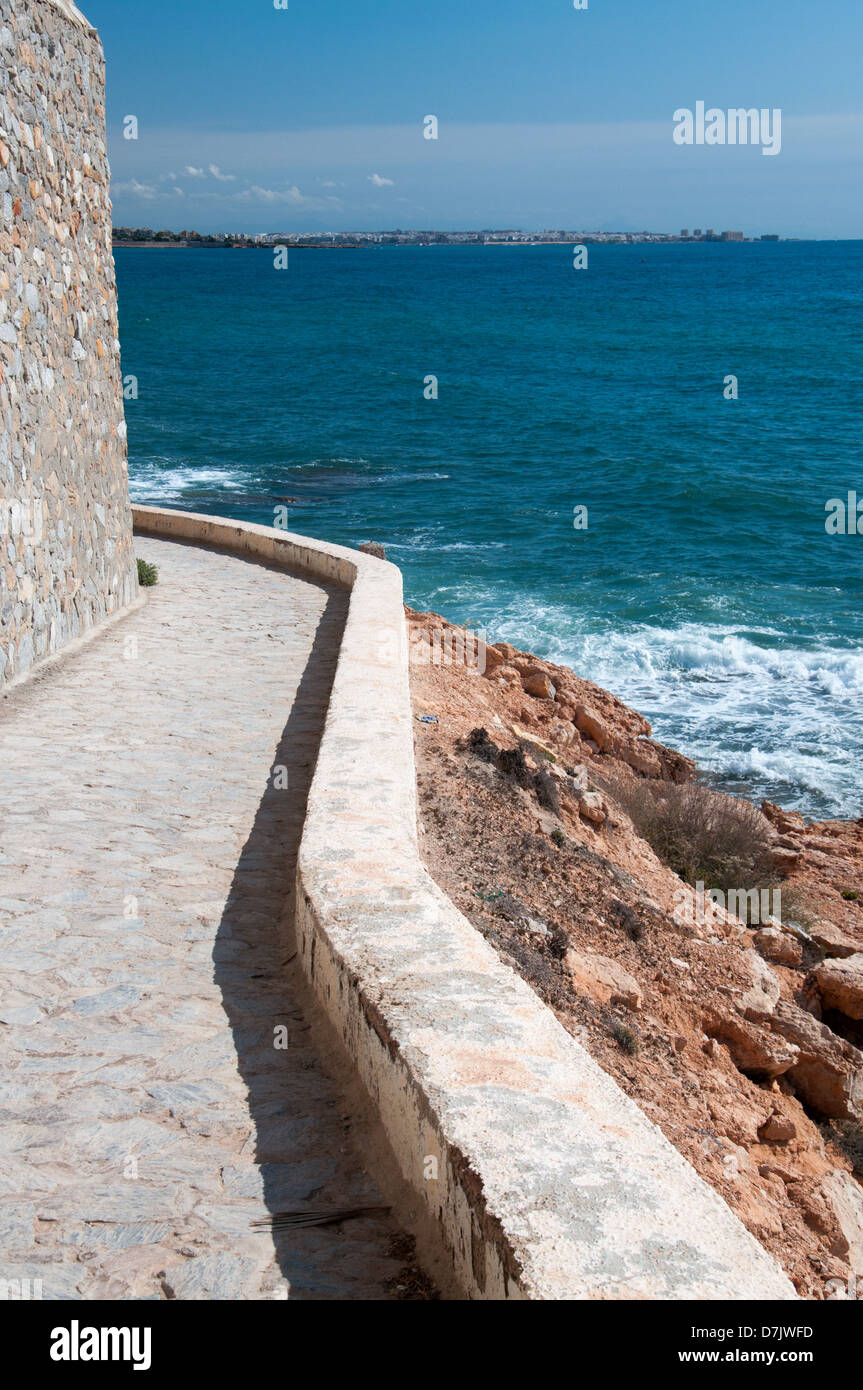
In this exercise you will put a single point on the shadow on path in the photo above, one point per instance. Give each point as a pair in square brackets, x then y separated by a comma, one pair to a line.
[299, 1134]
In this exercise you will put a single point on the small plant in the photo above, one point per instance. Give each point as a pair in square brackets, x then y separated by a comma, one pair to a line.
[848, 1136]
[558, 838]
[849, 895]
[546, 790]
[479, 743]
[628, 920]
[625, 1038]
[557, 943]
[148, 574]
[512, 764]
[798, 910]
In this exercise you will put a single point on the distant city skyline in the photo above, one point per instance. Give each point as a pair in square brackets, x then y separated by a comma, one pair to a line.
[125, 236]
[312, 118]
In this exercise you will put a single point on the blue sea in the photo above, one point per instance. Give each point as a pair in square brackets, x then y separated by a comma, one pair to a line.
[705, 590]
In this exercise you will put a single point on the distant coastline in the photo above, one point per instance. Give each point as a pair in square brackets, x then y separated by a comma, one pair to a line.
[146, 238]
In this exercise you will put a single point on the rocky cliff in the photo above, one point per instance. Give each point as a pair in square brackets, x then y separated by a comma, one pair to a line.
[739, 1032]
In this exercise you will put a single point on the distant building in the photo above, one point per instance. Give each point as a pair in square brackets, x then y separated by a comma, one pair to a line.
[733, 236]
[697, 232]
[685, 233]
[709, 235]
[771, 236]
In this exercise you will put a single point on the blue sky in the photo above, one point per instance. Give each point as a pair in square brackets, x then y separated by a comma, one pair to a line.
[310, 118]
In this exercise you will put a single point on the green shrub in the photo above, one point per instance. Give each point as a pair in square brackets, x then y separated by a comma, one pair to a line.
[148, 575]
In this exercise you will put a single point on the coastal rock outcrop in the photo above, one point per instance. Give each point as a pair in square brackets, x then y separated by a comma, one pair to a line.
[712, 1027]
[834, 1207]
[593, 807]
[754, 1050]
[840, 985]
[829, 1071]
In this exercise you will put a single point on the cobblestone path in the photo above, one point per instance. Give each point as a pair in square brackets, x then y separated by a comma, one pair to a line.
[147, 848]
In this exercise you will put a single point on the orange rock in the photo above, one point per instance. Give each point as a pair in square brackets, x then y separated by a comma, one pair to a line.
[508, 674]
[593, 808]
[588, 722]
[840, 984]
[537, 684]
[604, 980]
[641, 758]
[778, 946]
[779, 1129]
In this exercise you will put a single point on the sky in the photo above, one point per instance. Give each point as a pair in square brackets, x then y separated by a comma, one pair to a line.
[311, 118]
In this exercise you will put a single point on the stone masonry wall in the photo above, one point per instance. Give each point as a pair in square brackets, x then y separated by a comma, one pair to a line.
[66, 557]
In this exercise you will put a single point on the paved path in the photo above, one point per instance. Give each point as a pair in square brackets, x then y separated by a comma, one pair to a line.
[146, 855]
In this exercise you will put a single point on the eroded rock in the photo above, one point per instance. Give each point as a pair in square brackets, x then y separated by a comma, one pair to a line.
[593, 807]
[537, 684]
[755, 1051]
[840, 985]
[605, 980]
[778, 946]
[828, 1073]
[592, 725]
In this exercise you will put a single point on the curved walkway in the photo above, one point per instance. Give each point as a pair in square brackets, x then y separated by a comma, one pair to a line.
[147, 858]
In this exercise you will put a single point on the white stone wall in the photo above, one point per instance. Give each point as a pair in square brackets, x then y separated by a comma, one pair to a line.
[66, 557]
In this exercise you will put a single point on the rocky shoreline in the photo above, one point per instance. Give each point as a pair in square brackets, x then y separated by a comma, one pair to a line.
[742, 1039]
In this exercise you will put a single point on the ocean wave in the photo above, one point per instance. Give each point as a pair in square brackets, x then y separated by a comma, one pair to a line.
[152, 482]
[762, 715]
[694, 651]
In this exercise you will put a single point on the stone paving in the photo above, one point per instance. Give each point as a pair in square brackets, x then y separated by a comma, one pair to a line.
[147, 850]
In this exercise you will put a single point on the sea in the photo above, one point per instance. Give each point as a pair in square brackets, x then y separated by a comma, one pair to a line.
[461, 405]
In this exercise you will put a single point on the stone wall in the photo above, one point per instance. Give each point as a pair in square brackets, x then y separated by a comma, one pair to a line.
[66, 558]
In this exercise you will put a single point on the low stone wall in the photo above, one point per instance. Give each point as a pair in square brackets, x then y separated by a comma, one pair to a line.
[536, 1175]
[66, 558]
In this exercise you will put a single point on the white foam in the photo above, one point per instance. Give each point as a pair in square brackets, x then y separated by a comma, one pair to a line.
[152, 483]
[763, 714]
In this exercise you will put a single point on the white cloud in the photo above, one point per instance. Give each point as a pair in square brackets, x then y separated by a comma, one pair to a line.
[138, 190]
[217, 174]
[193, 172]
[291, 195]
[273, 195]
[380, 182]
[179, 192]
